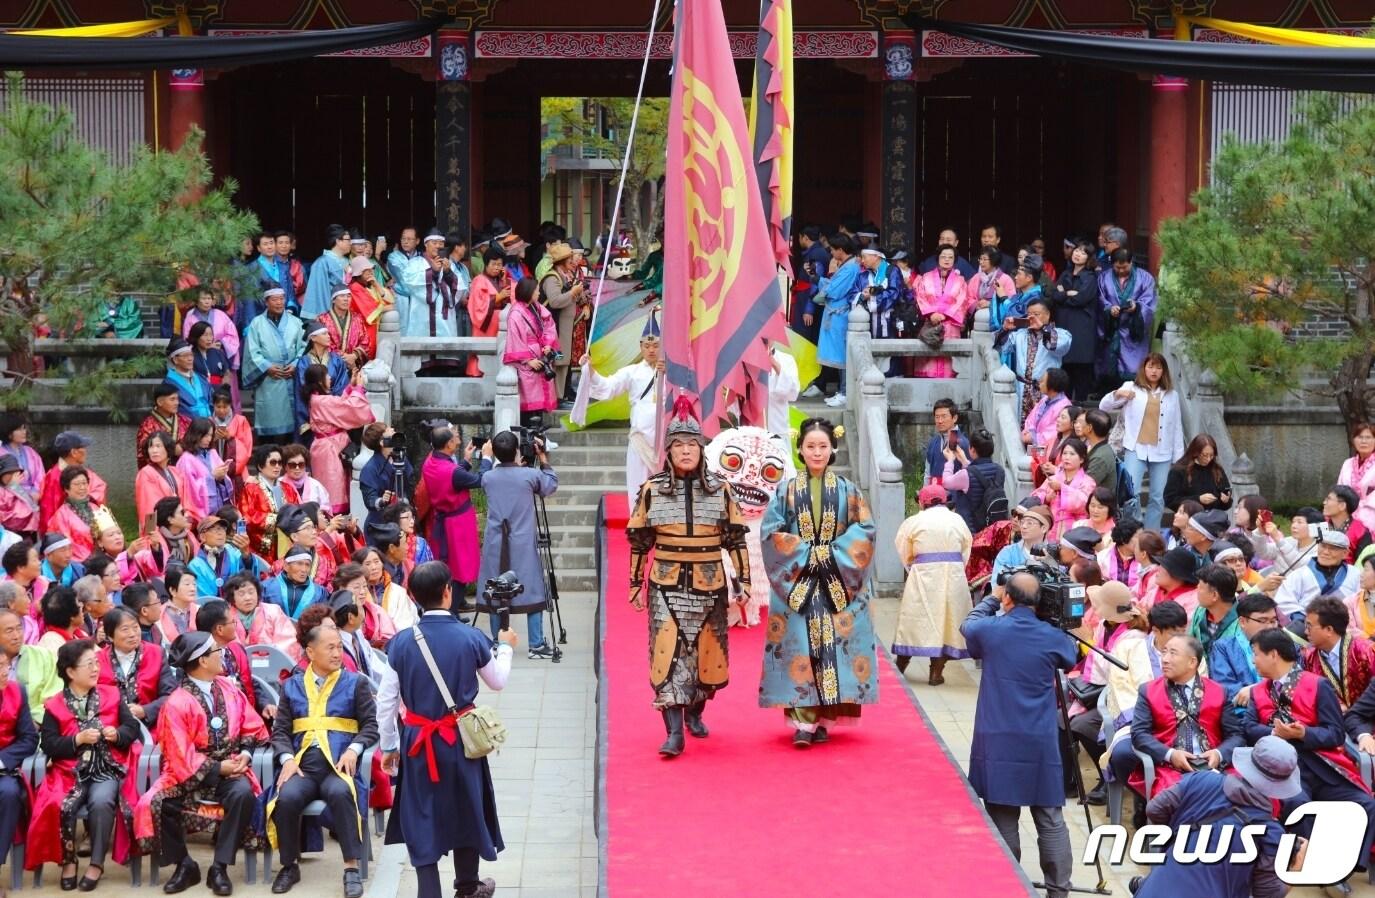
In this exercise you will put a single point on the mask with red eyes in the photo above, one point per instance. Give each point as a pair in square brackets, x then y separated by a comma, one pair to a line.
[754, 462]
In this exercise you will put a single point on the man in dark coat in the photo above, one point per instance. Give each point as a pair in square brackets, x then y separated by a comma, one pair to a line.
[18, 740]
[1014, 760]
[445, 801]
[511, 489]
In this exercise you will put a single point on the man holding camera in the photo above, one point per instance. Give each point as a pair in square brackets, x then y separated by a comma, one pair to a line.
[1014, 761]
[378, 479]
[512, 487]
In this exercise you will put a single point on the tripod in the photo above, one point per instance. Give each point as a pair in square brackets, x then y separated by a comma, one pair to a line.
[544, 544]
[1063, 704]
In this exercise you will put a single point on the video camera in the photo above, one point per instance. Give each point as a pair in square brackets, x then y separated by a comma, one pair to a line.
[1059, 601]
[500, 592]
[531, 441]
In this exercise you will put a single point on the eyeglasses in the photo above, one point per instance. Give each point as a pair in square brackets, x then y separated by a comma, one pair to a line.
[92, 662]
[1263, 621]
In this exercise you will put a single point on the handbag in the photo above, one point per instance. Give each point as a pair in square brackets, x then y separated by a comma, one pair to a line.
[479, 726]
[1084, 692]
[932, 334]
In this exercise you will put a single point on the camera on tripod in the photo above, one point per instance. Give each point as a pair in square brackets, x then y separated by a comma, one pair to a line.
[500, 592]
[1059, 600]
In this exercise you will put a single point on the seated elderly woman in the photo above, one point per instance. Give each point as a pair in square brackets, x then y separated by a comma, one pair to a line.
[87, 734]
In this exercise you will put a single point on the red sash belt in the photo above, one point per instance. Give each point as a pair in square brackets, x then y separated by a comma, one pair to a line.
[447, 729]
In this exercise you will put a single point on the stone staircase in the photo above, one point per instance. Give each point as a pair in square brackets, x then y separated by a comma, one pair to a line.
[591, 463]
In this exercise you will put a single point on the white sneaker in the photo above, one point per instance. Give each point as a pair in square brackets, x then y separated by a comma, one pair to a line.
[837, 401]
[812, 392]
[550, 445]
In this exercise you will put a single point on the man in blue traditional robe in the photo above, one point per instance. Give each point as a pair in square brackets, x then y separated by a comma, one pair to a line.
[193, 390]
[293, 590]
[317, 353]
[272, 347]
[325, 721]
[445, 801]
[836, 296]
[327, 274]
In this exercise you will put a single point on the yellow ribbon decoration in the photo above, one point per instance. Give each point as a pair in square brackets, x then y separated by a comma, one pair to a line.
[1285, 37]
[110, 29]
[316, 726]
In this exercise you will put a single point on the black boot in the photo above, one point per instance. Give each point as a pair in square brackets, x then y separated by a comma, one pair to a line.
[692, 717]
[673, 723]
[184, 877]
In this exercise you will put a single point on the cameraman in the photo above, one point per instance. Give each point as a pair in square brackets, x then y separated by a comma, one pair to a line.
[1014, 761]
[378, 477]
[512, 488]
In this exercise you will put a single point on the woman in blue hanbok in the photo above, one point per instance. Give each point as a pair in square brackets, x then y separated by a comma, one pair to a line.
[818, 541]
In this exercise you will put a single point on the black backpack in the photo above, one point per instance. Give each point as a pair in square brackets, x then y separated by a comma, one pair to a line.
[993, 505]
[1126, 489]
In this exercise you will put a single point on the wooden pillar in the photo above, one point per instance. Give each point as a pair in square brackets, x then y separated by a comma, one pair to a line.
[898, 156]
[453, 133]
[1169, 180]
[185, 105]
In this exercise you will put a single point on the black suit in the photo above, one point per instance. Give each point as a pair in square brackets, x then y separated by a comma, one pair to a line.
[12, 792]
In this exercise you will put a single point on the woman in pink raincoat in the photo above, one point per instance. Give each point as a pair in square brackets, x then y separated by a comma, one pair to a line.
[942, 296]
[331, 418]
[532, 339]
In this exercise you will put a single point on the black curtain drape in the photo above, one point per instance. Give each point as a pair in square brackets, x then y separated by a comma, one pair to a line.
[18, 51]
[1302, 68]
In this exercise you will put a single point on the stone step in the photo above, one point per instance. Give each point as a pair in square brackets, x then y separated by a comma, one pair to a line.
[577, 580]
[575, 511]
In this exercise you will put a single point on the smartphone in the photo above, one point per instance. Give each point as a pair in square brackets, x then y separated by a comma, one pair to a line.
[1021, 322]
[150, 524]
[954, 439]
[1265, 517]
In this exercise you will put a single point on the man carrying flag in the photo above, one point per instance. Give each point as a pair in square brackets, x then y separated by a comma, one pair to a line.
[639, 382]
[721, 289]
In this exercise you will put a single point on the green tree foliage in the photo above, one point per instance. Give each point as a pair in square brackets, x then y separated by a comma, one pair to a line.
[575, 123]
[1285, 233]
[77, 229]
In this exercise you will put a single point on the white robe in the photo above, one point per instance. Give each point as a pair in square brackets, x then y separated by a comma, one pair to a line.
[637, 382]
[783, 390]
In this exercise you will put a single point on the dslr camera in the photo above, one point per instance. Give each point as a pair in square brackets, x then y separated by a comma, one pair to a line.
[1059, 600]
[500, 592]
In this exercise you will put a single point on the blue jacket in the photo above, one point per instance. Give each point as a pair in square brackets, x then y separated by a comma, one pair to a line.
[968, 501]
[210, 581]
[1014, 758]
[935, 453]
[820, 257]
[1208, 797]
[376, 479]
[1230, 663]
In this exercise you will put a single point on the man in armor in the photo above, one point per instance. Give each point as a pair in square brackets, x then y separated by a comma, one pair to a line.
[688, 516]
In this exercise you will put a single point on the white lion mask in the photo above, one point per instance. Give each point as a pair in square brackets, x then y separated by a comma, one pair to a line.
[754, 462]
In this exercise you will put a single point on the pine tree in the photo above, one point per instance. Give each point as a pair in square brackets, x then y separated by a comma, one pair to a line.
[1285, 233]
[77, 229]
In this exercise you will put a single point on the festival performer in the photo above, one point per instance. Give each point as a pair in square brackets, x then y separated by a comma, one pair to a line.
[490, 292]
[784, 386]
[754, 462]
[262, 498]
[687, 515]
[445, 801]
[273, 344]
[193, 389]
[327, 272]
[639, 382]
[91, 741]
[934, 546]
[818, 541]
[18, 741]
[325, 721]
[431, 285]
[207, 733]
[453, 526]
[331, 419]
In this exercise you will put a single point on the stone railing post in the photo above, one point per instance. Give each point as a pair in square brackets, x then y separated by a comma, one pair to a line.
[506, 411]
[871, 396]
[388, 348]
[1243, 479]
[1003, 421]
[857, 349]
[1210, 418]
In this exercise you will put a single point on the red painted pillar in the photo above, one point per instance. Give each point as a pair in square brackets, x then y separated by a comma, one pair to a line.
[185, 105]
[1169, 192]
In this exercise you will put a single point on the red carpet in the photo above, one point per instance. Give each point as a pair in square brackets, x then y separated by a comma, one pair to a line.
[879, 810]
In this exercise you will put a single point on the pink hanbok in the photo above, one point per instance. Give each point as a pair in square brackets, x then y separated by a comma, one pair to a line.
[530, 332]
[1360, 476]
[945, 296]
[225, 334]
[153, 483]
[205, 492]
[1040, 421]
[268, 626]
[1070, 502]
[331, 418]
[32, 465]
[18, 509]
[983, 288]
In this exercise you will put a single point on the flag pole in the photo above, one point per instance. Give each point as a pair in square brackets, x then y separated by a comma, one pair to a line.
[579, 413]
